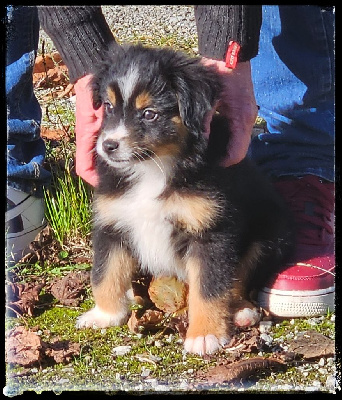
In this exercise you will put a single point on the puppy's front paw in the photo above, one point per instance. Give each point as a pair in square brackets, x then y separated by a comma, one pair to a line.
[204, 344]
[96, 318]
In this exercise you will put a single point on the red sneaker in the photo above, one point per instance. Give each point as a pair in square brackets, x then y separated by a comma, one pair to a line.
[306, 287]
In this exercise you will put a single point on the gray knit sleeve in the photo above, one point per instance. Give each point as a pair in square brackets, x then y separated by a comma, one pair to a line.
[80, 34]
[220, 24]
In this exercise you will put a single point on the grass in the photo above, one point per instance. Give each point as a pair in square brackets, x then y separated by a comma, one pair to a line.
[68, 206]
[96, 368]
[170, 40]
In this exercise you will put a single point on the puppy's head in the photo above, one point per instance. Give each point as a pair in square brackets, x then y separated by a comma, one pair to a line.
[155, 102]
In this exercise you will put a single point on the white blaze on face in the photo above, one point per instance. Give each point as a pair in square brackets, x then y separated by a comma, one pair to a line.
[128, 82]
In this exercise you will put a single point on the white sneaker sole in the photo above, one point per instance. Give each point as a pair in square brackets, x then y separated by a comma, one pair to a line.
[297, 303]
[31, 211]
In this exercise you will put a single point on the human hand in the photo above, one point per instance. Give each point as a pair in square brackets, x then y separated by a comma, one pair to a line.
[238, 105]
[88, 123]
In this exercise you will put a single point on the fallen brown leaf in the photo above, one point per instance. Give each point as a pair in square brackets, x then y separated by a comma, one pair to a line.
[61, 351]
[179, 323]
[22, 347]
[50, 71]
[312, 345]
[247, 342]
[52, 134]
[69, 290]
[149, 321]
[22, 298]
[168, 294]
[57, 75]
[244, 369]
[46, 62]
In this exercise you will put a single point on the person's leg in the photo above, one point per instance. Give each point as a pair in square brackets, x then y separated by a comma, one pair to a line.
[293, 77]
[25, 148]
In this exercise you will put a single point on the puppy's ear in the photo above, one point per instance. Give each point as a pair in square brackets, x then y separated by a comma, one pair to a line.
[198, 88]
[102, 70]
[95, 86]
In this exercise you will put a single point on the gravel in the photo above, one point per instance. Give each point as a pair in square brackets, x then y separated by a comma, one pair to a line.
[130, 21]
[149, 22]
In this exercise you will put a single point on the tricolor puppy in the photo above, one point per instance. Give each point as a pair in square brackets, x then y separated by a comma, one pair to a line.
[164, 205]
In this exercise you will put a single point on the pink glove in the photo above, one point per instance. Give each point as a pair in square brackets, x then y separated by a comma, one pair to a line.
[88, 123]
[238, 105]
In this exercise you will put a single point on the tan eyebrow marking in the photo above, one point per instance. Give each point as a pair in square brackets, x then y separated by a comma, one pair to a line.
[143, 100]
[111, 96]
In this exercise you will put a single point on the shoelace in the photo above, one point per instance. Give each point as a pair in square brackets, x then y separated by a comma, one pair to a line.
[312, 203]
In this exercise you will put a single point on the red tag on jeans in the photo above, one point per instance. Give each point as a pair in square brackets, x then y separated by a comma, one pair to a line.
[232, 54]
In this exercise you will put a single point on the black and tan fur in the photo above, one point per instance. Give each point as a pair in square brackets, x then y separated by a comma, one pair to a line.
[164, 205]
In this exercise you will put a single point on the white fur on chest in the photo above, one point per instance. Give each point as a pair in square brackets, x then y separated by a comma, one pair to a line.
[141, 215]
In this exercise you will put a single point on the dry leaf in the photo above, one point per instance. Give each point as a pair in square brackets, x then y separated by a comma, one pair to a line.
[311, 344]
[149, 321]
[168, 294]
[46, 62]
[52, 134]
[50, 70]
[179, 323]
[21, 298]
[25, 348]
[57, 75]
[247, 342]
[22, 347]
[243, 369]
[61, 351]
[70, 289]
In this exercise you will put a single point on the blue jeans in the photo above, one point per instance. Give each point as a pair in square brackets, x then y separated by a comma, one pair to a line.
[25, 147]
[293, 77]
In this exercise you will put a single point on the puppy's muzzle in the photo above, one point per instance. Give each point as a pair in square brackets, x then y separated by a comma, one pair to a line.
[110, 146]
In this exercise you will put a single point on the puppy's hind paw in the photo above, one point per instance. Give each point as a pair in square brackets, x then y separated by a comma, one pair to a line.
[204, 344]
[96, 318]
[246, 317]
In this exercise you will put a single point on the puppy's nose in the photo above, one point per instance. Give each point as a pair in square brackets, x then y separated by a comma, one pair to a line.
[110, 145]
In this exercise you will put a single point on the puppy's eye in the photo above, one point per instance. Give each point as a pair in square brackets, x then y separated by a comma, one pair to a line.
[108, 106]
[150, 115]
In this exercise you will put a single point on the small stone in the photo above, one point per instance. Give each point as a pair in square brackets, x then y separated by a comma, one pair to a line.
[330, 383]
[62, 381]
[121, 350]
[169, 339]
[266, 338]
[68, 369]
[146, 372]
[321, 362]
[265, 326]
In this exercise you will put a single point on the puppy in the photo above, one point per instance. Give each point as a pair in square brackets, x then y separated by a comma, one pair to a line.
[164, 205]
